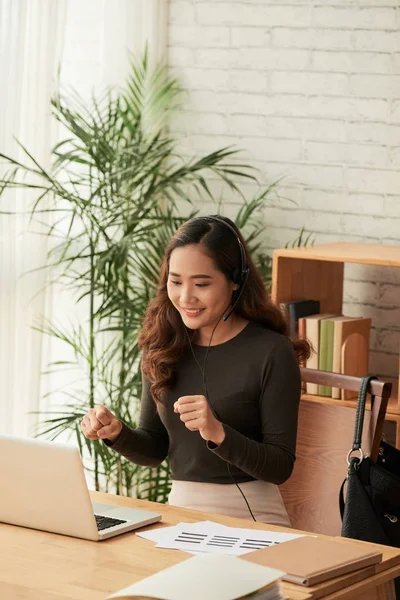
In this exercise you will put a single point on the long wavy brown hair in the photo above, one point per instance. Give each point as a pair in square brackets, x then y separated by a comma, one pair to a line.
[163, 339]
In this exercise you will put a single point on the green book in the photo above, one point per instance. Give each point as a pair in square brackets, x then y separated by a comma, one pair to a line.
[325, 359]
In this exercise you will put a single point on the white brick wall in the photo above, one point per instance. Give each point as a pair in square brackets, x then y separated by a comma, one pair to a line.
[309, 90]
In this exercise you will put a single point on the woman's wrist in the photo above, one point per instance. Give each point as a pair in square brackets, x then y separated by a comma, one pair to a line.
[115, 436]
[219, 435]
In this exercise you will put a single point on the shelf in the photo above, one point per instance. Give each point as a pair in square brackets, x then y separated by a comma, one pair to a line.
[371, 254]
[317, 272]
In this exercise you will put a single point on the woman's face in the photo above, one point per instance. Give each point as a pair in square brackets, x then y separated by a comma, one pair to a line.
[198, 290]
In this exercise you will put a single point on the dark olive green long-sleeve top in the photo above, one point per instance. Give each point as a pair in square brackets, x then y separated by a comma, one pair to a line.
[253, 383]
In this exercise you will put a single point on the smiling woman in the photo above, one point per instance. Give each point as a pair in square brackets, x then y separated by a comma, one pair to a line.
[201, 293]
[235, 421]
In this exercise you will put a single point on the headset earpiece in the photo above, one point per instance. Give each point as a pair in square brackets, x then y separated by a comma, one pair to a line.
[237, 277]
[238, 294]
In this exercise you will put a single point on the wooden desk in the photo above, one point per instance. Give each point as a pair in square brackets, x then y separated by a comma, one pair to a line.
[36, 565]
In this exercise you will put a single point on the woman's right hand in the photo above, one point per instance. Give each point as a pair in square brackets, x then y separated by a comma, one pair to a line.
[100, 423]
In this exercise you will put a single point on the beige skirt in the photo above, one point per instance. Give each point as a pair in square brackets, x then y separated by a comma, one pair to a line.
[264, 499]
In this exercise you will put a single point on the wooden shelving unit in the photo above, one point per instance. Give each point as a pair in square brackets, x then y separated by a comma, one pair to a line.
[316, 272]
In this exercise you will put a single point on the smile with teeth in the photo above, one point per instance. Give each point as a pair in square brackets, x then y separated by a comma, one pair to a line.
[193, 312]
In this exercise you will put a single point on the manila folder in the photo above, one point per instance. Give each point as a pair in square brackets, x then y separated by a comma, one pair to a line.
[311, 560]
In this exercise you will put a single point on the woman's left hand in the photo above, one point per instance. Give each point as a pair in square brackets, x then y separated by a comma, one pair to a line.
[196, 414]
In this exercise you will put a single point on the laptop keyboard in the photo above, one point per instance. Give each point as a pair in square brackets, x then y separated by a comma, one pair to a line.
[106, 522]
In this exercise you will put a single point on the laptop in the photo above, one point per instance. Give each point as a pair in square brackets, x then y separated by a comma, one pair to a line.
[43, 486]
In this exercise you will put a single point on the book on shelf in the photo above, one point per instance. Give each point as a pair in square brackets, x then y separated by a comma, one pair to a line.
[297, 309]
[351, 350]
[302, 335]
[325, 357]
[337, 349]
[345, 350]
[341, 345]
[311, 560]
[312, 328]
[211, 576]
[301, 324]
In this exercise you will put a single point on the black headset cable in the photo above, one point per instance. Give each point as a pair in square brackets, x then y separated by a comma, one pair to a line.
[207, 395]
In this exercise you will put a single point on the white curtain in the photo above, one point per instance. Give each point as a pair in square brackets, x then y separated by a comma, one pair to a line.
[89, 41]
[129, 26]
[31, 33]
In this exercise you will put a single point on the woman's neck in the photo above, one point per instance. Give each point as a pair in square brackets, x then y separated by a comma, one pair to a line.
[225, 331]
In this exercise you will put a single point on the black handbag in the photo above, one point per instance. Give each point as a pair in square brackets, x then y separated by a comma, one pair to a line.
[372, 509]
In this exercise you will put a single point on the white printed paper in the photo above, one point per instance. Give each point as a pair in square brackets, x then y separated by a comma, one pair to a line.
[209, 537]
[157, 535]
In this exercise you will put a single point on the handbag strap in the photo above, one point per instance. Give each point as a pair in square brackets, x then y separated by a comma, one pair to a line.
[353, 462]
[362, 398]
[341, 499]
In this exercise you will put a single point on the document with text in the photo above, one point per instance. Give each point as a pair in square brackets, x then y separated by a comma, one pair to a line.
[210, 537]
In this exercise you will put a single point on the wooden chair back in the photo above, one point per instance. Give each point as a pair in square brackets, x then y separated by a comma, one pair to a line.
[324, 438]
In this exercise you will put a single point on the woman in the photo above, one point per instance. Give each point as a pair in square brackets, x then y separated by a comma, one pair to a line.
[221, 387]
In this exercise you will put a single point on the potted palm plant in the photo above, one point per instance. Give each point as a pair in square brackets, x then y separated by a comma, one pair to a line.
[117, 191]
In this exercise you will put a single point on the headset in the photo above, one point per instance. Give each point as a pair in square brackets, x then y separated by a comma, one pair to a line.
[240, 277]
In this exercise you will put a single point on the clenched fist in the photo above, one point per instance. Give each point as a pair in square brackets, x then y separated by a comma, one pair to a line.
[196, 414]
[100, 423]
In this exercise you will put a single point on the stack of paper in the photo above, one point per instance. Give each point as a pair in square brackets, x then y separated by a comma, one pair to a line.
[208, 577]
[210, 537]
